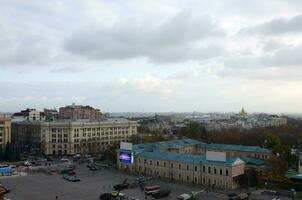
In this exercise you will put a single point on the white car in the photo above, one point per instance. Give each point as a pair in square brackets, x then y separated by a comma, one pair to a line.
[27, 163]
[65, 159]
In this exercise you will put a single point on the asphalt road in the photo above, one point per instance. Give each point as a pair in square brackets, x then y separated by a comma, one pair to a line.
[46, 187]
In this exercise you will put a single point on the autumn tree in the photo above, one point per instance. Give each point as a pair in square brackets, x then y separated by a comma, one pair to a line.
[277, 167]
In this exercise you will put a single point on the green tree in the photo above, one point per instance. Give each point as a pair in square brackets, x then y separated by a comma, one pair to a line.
[271, 140]
[196, 131]
[1, 153]
[277, 167]
[7, 152]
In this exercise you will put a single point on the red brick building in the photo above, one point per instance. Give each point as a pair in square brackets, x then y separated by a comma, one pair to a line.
[79, 112]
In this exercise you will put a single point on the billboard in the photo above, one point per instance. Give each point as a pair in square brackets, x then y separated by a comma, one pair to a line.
[126, 146]
[126, 157]
[216, 156]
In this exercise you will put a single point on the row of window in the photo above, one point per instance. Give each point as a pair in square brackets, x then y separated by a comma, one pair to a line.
[209, 170]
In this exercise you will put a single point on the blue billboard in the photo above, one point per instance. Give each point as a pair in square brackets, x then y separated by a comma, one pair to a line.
[126, 157]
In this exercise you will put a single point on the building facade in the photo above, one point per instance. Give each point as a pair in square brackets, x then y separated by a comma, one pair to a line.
[30, 114]
[191, 161]
[5, 129]
[75, 112]
[72, 137]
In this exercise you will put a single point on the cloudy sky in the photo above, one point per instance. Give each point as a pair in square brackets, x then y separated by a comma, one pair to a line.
[146, 55]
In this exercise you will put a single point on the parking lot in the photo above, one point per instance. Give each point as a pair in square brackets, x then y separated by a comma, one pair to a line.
[41, 186]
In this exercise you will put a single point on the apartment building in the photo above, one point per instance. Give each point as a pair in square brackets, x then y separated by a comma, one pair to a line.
[191, 161]
[75, 112]
[29, 114]
[5, 129]
[72, 137]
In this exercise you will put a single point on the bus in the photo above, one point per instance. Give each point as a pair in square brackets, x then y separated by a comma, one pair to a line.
[151, 189]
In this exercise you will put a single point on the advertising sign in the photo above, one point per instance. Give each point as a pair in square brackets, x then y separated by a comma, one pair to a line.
[126, 157]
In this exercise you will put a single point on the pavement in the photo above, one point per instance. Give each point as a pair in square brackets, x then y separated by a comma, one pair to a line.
[40, 186]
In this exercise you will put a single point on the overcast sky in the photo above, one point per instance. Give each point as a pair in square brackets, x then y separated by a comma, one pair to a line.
[154, 56]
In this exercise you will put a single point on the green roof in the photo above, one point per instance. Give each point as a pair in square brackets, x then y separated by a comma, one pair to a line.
[292, 174]
[186, 158]
[252, 160]
[153, 146]
[235, 147]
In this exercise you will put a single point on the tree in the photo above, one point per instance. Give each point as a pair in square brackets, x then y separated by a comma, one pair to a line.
[277, 166]
[196, 131]
[7, 152]
[110, 153]
[1, 153]
[271, 140]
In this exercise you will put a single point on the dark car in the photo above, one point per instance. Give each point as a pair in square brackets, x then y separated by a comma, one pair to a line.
[161, 193]
[233, 196]
[71, 178]
[93, 168]
[121, 186]
[105, 196]
[89, 165]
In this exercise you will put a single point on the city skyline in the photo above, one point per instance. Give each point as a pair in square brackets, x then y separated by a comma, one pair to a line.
[134, 56]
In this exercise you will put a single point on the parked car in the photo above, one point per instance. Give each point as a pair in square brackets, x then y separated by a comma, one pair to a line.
[27, 163]
[185, 197]
[105, 196]
[64, 159]
[71, 178]
[121, 186]
[117, 195]
[94, 168]
[161, 193]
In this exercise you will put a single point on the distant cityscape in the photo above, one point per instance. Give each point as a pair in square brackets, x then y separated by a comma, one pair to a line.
[78, 130]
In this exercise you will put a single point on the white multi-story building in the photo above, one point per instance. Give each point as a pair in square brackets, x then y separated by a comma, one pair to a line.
[72, 137]
[30, 115]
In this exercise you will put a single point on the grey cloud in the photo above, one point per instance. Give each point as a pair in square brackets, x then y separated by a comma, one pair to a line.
[282, 64]
[276, 27]
[176, 39]
[288, 56]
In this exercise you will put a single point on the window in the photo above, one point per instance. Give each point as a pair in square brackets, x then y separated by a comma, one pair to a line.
[203, 168]
[171, 165]
[150, 162]
[164, 164]
[220, 171]
[179, 166]
[226, 172]
[187, 167]
[145, 161]
[157, 163]
[195, 179]
[209, 169]
[195, 168]
[215, 171]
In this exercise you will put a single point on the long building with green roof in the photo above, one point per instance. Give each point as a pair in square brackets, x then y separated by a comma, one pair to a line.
[188, 160]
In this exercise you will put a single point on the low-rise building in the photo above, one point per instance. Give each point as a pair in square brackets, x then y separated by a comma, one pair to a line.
[72, 137]
[187, 160]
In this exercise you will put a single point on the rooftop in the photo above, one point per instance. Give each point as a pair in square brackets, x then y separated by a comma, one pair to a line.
[138, 148]
[77, 122]
[235, 147]
[187, 158]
